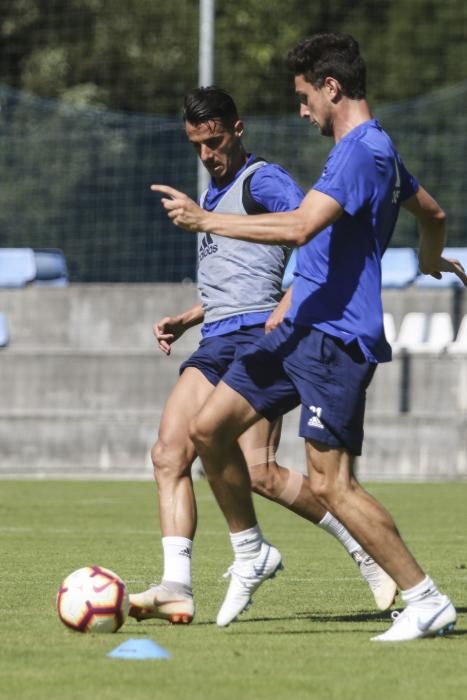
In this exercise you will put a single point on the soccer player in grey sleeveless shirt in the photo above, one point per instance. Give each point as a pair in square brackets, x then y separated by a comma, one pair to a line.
[240, 288]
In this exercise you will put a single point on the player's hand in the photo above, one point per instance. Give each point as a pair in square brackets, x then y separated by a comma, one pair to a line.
[167, 331]
[453, 266]
[182, 210]
[276, 317]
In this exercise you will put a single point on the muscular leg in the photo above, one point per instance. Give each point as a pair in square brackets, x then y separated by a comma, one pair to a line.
[174, 453]
[287, 487]
[427, 612]
[292, 490]
[215, 431]
[334, 484]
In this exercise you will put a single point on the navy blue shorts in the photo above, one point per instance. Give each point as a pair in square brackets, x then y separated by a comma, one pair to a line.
[298, 365]
[215, 354]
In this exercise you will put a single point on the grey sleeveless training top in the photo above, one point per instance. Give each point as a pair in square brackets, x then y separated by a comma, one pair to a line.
[237, 277]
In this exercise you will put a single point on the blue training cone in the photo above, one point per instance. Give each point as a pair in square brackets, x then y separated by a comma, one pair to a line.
[139, 649]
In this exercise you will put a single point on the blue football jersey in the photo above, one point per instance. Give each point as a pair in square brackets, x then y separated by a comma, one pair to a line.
[337, 287]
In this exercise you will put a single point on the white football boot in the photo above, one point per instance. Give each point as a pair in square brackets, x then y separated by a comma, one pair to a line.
[382, 586]
[415, 621]
[245, 578]
[167, 601]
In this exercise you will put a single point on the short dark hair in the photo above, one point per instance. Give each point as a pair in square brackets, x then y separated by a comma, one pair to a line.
[210, 103]
[330, 55]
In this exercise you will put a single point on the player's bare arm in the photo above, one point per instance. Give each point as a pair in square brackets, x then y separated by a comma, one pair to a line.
[294, 228]
[168, 329]
[432, 226]
[277, 316]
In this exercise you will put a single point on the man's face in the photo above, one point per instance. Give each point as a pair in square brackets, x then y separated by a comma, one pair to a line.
[315, 105]
[219, 148]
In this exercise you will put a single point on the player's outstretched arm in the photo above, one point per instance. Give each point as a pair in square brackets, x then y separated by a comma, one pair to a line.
[431, 221]
[168, 329]
[293, 228]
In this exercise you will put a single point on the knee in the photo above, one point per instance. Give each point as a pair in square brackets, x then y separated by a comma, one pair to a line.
[198, 435]
[170, 461]
[262, 479]
[262, 469]
[323, 488]
[328, 491]
[319, 489]
[203, 435]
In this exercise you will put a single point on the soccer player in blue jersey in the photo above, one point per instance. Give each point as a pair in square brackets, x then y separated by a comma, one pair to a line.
[324, 354]
[239, 286]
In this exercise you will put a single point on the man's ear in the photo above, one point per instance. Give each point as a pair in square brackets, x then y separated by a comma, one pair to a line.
[239, 128]
[333, 88]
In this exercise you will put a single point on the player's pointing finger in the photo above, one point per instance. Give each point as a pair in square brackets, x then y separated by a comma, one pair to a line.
[165, 189]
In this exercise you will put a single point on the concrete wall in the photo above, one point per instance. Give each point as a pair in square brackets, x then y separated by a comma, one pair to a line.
[82, 387]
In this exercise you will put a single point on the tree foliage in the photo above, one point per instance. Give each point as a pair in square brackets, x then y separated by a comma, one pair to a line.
[142, 56]
[91, 92]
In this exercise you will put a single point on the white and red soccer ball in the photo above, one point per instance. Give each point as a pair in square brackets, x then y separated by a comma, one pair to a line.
[93, 599]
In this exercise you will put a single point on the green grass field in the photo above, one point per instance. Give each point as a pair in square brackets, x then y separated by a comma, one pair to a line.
[306, 636]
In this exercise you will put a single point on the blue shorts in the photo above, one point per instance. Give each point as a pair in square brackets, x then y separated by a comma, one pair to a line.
[216, 353]
[299, 365]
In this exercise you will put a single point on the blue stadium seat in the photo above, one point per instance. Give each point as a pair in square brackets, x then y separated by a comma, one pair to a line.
[399, 267]
[39, 266]
[4, 334]
[440, 333]
[389, 327]
[448, 279]
[421, 332]
[17, 267]
[459, 346]
[51, 267]
[412, 332]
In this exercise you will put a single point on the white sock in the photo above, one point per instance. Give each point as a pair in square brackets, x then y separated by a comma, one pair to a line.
[247, 543]
[335, 528]
[177, 559]
[423, 592]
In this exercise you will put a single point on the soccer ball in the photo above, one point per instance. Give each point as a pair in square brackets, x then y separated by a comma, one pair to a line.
[93, 599]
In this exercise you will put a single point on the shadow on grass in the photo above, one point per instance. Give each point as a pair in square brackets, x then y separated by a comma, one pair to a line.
[307, 616]
[363, 616]
[326, 618]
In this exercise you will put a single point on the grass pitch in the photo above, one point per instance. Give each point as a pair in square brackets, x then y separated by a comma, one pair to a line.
[306, 636]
